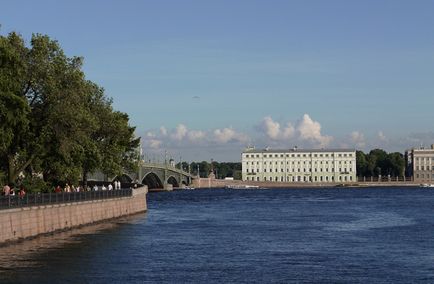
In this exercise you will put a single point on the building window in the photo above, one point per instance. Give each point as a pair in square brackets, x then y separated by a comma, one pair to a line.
[247, 156]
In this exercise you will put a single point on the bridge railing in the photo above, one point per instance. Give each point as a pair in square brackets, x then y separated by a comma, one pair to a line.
[36, 199]
[167, 166]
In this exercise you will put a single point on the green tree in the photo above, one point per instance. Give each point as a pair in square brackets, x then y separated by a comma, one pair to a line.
[53, 121]
[361, 163]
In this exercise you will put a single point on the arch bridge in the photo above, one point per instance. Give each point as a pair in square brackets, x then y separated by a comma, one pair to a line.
[157, 176]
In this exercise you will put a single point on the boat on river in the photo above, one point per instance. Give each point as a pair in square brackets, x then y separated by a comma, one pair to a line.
[427, 185]
[242, 186]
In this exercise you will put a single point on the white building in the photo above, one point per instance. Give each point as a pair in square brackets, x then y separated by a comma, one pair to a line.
[420, 164]
[299, 165]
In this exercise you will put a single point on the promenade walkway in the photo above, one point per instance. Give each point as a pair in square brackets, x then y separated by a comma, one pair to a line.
[36, 199]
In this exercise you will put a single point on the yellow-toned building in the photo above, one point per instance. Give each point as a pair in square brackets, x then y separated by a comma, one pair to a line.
[299, 165]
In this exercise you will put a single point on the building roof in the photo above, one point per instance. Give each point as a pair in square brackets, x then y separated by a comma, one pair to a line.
[297, 150]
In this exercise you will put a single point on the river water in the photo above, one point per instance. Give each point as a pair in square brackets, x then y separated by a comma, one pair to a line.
[376, 235]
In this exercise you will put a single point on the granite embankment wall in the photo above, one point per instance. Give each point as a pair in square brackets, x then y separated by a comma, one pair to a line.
[25, 222]
[219, 183]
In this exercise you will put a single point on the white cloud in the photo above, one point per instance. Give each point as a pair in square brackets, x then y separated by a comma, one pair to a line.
[150, 134]
[196, 135]
[226, 135]
[310, 130]
[163, 131]
[381, 136]
[180, 132]
[288, 131]
[273, 130]
[358, 139]
[154, 143]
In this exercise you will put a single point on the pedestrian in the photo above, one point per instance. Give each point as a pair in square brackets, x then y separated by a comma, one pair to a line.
[110, 187]
[22, 192]
[95, 188]
[6, 190]
[103, 187]
[58, 189]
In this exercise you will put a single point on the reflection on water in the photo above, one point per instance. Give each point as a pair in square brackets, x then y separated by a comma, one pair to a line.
[29, 253]
[223, 236]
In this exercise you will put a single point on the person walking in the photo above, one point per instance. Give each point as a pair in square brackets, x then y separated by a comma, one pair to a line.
[6, 190]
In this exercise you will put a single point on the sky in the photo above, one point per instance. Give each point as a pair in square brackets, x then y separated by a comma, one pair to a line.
[203, 79]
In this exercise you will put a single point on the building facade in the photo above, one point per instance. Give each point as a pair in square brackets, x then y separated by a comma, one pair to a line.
[299, 165]
[420, 164]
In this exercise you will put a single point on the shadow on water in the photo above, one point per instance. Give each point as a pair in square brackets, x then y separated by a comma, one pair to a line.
[46, 254]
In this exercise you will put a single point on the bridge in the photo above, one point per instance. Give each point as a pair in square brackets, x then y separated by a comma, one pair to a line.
[155, 176]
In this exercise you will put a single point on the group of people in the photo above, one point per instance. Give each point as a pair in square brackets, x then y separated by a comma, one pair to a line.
[10, 191]
[109, 186]
[67, 188]
[72, 188]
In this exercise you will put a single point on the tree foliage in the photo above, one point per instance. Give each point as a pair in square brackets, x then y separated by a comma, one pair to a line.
[379, 162]
[221, 170]
[53, 121]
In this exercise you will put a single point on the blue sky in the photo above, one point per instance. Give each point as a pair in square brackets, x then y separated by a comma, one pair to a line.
[203, 79]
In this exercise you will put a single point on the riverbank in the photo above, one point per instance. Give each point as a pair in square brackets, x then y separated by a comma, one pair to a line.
[26, 222]
[219, 183]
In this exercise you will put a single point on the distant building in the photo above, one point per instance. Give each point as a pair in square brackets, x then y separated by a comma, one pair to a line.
[299, 165]
[420, 164]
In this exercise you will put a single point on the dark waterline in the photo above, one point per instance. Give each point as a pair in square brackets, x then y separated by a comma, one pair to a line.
[377, 235]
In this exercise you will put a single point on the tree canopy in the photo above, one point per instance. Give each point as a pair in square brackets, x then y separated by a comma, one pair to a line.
[379, 162]
[54, 122]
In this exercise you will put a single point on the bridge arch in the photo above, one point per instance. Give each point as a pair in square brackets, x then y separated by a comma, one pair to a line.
[172, 180]
[124, 178]
[152, 181]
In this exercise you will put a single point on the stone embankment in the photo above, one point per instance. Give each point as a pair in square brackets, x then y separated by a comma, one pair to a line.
[25, 222]
[219, 183]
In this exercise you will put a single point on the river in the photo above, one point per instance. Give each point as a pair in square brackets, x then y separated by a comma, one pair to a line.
[375, 235]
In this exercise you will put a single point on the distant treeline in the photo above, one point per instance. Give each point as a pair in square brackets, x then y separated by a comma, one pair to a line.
[221, 170]
[379, 162]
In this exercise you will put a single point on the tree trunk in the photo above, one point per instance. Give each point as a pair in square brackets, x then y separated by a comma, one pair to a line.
[84, 180]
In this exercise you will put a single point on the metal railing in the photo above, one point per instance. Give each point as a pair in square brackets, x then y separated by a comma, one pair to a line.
[36, 199]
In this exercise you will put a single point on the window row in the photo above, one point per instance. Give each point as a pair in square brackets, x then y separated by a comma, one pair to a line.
[299, 163]
[424, 159]
[293, 170]
[425, 176]
[424, 168]
[302, 179]
[299, 155]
